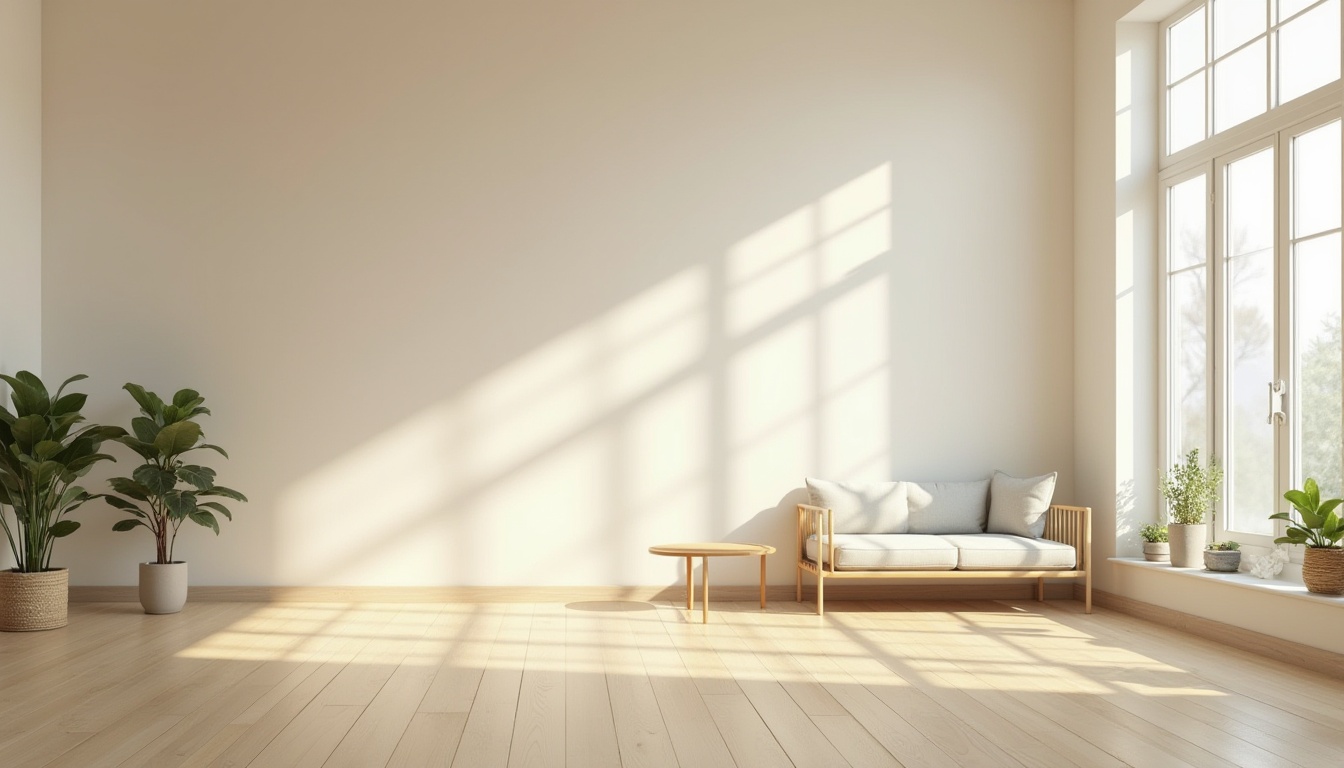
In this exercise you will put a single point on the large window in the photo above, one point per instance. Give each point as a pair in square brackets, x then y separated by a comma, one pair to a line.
[1253, 356]
[1228, 61]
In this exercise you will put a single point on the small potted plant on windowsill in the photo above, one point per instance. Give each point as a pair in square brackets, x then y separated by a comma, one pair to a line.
[1223, 557]
[1319, 528]
[1156, 549]
[165, 490]
[1190, 489]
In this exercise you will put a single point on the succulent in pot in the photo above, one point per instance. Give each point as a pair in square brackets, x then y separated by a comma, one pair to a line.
[1155, 545]
[43, 450]
[166, 489]
[1190, 490]
[1223, 556]
[1319, 528]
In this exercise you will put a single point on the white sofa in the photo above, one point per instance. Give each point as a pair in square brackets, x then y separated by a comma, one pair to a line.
[1001, 528]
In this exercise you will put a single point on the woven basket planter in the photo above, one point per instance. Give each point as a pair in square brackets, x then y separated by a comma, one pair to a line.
[33, 601]
[1323, 570]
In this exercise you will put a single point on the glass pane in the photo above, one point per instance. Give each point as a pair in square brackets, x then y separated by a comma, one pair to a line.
[1185, 114]
[1288, 7]
[1309, 51]
[1235, 22]
[1249, 487]
[1239, 86]
[1316, 169]
[1319, 373]
[1188, 362]
[1187, 224]
[1250, 204]
[1185, 46]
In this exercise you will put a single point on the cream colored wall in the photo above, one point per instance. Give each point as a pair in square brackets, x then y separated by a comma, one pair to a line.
[505, 293]
[20, 186]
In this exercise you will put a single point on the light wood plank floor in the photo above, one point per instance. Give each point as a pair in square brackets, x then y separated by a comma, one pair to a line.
[639, 684]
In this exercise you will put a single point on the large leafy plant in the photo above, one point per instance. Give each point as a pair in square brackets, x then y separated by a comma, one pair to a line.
[41, 455]
[166, 489]
[1191, 489]
[1318, 526]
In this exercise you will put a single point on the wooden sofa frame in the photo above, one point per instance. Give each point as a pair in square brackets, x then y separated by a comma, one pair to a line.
[1066, 525]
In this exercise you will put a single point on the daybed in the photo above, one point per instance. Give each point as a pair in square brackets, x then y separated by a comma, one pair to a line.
[1001, 528]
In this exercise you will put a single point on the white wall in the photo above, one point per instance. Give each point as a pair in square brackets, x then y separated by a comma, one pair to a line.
[20, 186]
[20, 194]
[505, 293]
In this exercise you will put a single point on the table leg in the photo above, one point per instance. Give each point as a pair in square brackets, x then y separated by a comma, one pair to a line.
[704, 589]
[762, 581]
[690, 585]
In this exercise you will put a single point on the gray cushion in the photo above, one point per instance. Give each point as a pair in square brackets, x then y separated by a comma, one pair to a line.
[1017, 505]
[1000, 552]
[890, 551]
[862, 507]
[948, 507]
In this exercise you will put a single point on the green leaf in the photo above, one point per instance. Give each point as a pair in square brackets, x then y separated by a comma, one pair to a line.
[1280, 516]
[122, 504]
[1329, 506]
[176, 438]
[1298, 499]
[128, 487]
[46, 449]
[215, 505]
[201, 477]
[28, 431]
[187, 399]
[149, 402]
[227, 493]
[145, 429]
[157, 481]
[68, 382]
[1311, 519]
[171, 414]
[71, 403]
[180, 503]
[202, 517]
[126, 525]
[63, 528]
[214, 448]
[147, 451]
[27, 393]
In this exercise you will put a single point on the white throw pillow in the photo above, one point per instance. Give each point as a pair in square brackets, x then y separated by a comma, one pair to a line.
[938, 508]
[862, 507]
[1017, 505]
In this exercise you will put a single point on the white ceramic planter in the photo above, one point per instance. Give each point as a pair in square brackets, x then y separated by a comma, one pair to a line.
[1157, 551]
[1187, 544]
[163, 588]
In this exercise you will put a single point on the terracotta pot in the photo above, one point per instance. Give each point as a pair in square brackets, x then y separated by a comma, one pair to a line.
[1222, 561]
[1157, 551]
[163, 588]
[1323, 570]
[1187, 544]
[34, 601]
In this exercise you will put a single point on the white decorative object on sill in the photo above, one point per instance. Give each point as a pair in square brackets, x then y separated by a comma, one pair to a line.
[1270, 565]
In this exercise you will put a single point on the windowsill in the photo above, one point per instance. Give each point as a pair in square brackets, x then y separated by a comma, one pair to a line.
[1293, 589]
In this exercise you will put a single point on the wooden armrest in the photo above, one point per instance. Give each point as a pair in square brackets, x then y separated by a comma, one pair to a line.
[817, 521]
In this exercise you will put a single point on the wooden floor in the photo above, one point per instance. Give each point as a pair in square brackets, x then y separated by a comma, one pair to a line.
[639, 684]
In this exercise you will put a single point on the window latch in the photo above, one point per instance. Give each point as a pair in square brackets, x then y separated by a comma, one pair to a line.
[1277, 389]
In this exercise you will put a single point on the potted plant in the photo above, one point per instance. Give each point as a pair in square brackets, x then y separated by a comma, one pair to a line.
[1155, 546]
[41, 455]
[1223, 556]
[166, 490]
[1190, 491]
[1319, 528]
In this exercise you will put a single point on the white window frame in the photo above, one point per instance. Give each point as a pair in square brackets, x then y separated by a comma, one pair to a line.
[1275, 127]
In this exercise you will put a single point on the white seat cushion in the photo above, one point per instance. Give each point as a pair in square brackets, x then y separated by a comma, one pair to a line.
[1002, 552]
[889, 551]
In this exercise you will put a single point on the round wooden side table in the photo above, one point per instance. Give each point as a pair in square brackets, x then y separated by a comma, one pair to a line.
[705, 550]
